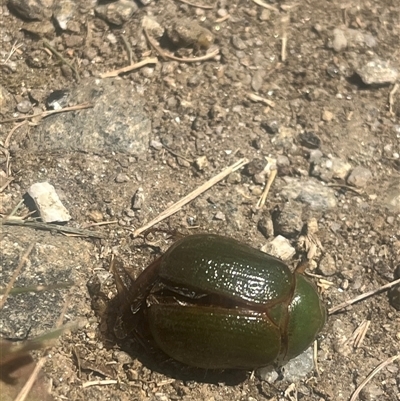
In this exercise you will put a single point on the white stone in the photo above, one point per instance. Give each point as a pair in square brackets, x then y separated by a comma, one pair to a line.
[49, 206]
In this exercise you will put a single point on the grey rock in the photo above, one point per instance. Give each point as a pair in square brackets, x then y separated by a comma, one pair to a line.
[315, 156]
[340, 168]
[121, 177]
[327, 265]
[339, 42]
[118, 12]
[50, 208]
[152, 27]
[299, 367]
[392, 196]
[24, 107]
[138, 199]
[323, 169]
[378, 72]
[288, 222]
[257, 80]
[63, 12]
[359, 177]
[238, 43]
[266, 226]
[116, 123]
[267, 374]
[33, 9]
[7, 102]
[311, 193]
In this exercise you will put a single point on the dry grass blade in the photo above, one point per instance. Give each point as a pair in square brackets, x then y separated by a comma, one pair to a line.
[194, 194]
[372, 374]
[10, 284]
[363, 296]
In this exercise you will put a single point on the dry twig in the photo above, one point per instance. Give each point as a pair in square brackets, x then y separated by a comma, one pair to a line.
[372, 374]
[259, 99]
[197, 5]
[363, 296]
[99, 383]
[48, 113]
[391, 98]
[263, 198]
[135, 66]
[61, 57]
[51, 227]
[266, 5]
[194, 194]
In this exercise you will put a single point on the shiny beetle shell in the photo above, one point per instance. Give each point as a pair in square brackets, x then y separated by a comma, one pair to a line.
[215, 303]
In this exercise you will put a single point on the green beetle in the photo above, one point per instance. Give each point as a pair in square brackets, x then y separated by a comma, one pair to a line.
[215, 303]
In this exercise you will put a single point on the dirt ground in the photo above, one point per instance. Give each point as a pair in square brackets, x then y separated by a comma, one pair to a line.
[333, 134]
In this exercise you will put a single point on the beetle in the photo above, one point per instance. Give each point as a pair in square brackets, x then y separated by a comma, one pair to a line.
[213, 302]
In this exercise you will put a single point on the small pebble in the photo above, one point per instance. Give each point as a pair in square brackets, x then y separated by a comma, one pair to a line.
[201, 163]
[219, 216]
[138, 199]
[238, 43]
[288, 222]
[266, 226]
[279, 247]
[24, 107]
[327, 265]
[339, 42]
[327, 115]
[121, 177]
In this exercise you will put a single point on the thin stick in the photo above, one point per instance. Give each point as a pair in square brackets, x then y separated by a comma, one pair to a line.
[49, 113]
[284, 45]
[99, 383]
[15, 209]
[256, 98]
[372, 374]
[15, 275]
[177, 154]
[391, 98]
[271, 178]
[197, 5]
[61, 57]
[8, 137]
[153, 43]
[9, 180]
[100, 223]
[51, 227]
[222, 19]
[128, 49]
[265, 5]
[363, 296]
[114, 73]
[207, 56]
[194, 194]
